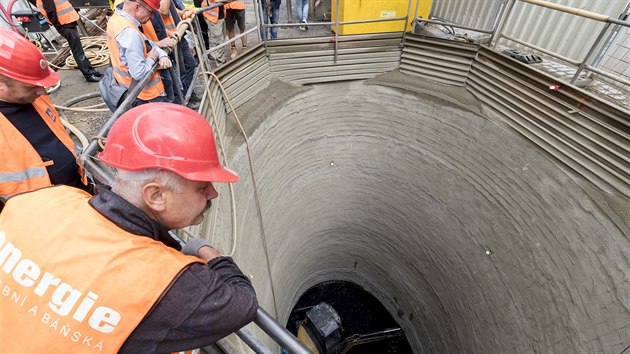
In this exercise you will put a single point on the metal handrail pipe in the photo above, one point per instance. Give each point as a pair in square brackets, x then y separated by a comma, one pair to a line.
[124, 106]
[99, 174]
[542, 50]
[575, 11]
[579, 12]
[268, 25]
[252, 342]
[420, 19]
[371, 21]
[253, 29]
[278, 333]
[608, 75]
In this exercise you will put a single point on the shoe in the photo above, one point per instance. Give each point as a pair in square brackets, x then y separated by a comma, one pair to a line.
[218, 60]
[244, 49]
[93, 78]
[233, 52]
[305, 26]
[194, 97]
[97, 74]
[302, 28]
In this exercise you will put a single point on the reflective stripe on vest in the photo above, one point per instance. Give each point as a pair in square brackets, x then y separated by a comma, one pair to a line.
[115, 25]
[22, 168]
[169, 23]
[211, 15]
[65, 12]
[80, 286]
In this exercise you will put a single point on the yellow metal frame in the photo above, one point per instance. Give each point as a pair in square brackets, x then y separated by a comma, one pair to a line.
[358, 10]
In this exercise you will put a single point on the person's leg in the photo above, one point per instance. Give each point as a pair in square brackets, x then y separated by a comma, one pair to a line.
[188, 65]
[275, 15]
[267, 33]
[169, 89]
[305, 12]
[74, 42]
[203, 26]
[298, 8]
[216, 38]
[240, 20]
[230, 21]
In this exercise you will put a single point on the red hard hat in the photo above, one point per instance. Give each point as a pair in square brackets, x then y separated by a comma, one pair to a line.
[22, 61]
[155, 4]
[165, 136]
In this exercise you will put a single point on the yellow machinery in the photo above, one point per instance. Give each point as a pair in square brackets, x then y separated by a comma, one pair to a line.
[357, 10]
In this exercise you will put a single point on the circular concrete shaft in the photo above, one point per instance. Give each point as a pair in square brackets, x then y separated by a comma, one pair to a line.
[473, 238]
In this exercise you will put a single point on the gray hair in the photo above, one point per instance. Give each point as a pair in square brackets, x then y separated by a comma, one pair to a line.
[129, 184]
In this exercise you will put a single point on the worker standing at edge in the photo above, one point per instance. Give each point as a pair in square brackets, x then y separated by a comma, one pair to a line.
[131, 53]
[216, 26]
[63, 16]
[36, 149]
[235, 15]
[111, 272]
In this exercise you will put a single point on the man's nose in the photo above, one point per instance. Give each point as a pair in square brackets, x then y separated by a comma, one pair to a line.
[212, 193]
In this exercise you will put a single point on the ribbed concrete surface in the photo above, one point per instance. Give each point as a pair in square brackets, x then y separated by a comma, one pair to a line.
[472, 238]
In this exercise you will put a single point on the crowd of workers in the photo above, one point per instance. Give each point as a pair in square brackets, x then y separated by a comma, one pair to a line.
[87, 268]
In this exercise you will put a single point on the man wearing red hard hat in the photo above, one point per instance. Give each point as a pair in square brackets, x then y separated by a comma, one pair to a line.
[132, 54]
[105, 267]
[35, 149]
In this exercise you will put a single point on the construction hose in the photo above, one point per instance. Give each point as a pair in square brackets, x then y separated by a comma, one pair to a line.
[66, 106]
[95, 48]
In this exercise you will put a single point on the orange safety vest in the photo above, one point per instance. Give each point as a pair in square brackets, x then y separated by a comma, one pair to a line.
[169, 23]
[22, 169]
[211, 15]
[65, 12]
[115, 25]
[235, 5]
[149, 31]
[77, 286]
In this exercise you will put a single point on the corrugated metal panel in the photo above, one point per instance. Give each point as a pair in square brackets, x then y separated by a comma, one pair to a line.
[243, 78]
[587, 135]
[473, 13]
[440, 61]
[311, 60]
[559, 32]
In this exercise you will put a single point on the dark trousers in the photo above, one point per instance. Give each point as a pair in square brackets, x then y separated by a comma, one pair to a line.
[275, 14]
[74, 41]
[169, 86]
[187, 64]
[203, 26]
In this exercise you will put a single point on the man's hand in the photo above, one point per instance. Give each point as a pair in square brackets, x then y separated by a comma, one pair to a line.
[153, 54]
[199, 247]
[165, 62]
[187, 13]
[167, 43]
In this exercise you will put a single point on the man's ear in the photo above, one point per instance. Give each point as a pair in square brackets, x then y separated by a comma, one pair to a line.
[154, 196]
